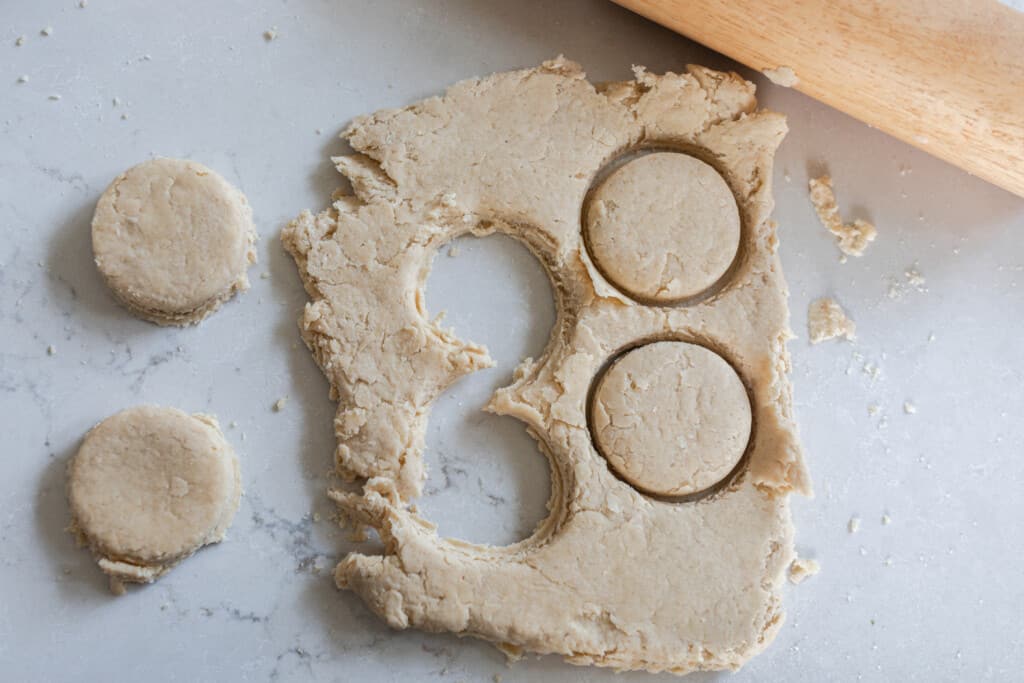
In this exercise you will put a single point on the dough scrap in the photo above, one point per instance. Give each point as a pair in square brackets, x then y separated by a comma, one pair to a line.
[148, 487]
[803, 568]
[173, 240]
[672, 418]
[782, 75]
[852, 238]
[663, 227]
[827, 320]
[612, 577]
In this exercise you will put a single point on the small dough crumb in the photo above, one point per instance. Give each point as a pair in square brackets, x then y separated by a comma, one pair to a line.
[48, 31]
[279, 404]
[886, 519]
[51, 350]
[803, 568]
[19, 41]
[853, 526]
[782, 75]
[827, 320]
[23, 79]
[82, 4]
[54, 97]
[453, 251]
[270, 34]
[853, 237]
[909, 408]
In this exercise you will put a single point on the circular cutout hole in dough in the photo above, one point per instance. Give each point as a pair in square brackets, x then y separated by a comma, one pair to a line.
[663, 227]
[671, 418]
[173, 240]
[148, 487]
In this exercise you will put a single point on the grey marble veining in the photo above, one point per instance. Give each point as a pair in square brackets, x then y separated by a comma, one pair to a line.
[197, 79]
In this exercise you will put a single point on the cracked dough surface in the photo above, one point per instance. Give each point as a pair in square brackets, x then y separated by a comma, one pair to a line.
[148, 487]
[663, 227]
[671, 418]
[612, 577]
[173, 240]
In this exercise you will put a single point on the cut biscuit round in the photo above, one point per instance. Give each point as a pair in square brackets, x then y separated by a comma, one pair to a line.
[671, 418]
[148, 487]
[173, 240]
[663, 227]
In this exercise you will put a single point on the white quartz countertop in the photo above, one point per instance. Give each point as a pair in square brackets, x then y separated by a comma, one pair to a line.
[935, 594]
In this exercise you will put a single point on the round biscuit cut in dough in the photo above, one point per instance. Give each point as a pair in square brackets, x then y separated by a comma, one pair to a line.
[148, 487]
[663, 227]
[173, 240]
[671, 418]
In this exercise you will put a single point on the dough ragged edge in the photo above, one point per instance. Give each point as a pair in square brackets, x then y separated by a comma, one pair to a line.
[582, 585]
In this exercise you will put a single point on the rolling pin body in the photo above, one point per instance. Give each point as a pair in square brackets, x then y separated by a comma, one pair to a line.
[944, 75]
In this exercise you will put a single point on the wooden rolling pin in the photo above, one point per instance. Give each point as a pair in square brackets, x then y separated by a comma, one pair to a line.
[944, 75]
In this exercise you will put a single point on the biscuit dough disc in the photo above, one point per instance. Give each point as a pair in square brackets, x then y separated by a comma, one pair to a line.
[663, 227]
[671, 418]
[173, 240]
[149, 486]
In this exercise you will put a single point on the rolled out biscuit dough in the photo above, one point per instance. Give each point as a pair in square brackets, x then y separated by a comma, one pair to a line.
[612, 577]
[148, 487]
[173, 240]
[663, 227]
[672, 418]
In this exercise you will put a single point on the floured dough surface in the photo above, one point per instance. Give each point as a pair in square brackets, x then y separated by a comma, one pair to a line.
[852, 238]
[173, 240]
[148, 487]
[663, 227]
[613, 576]
[672, 418]
[826, 320]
